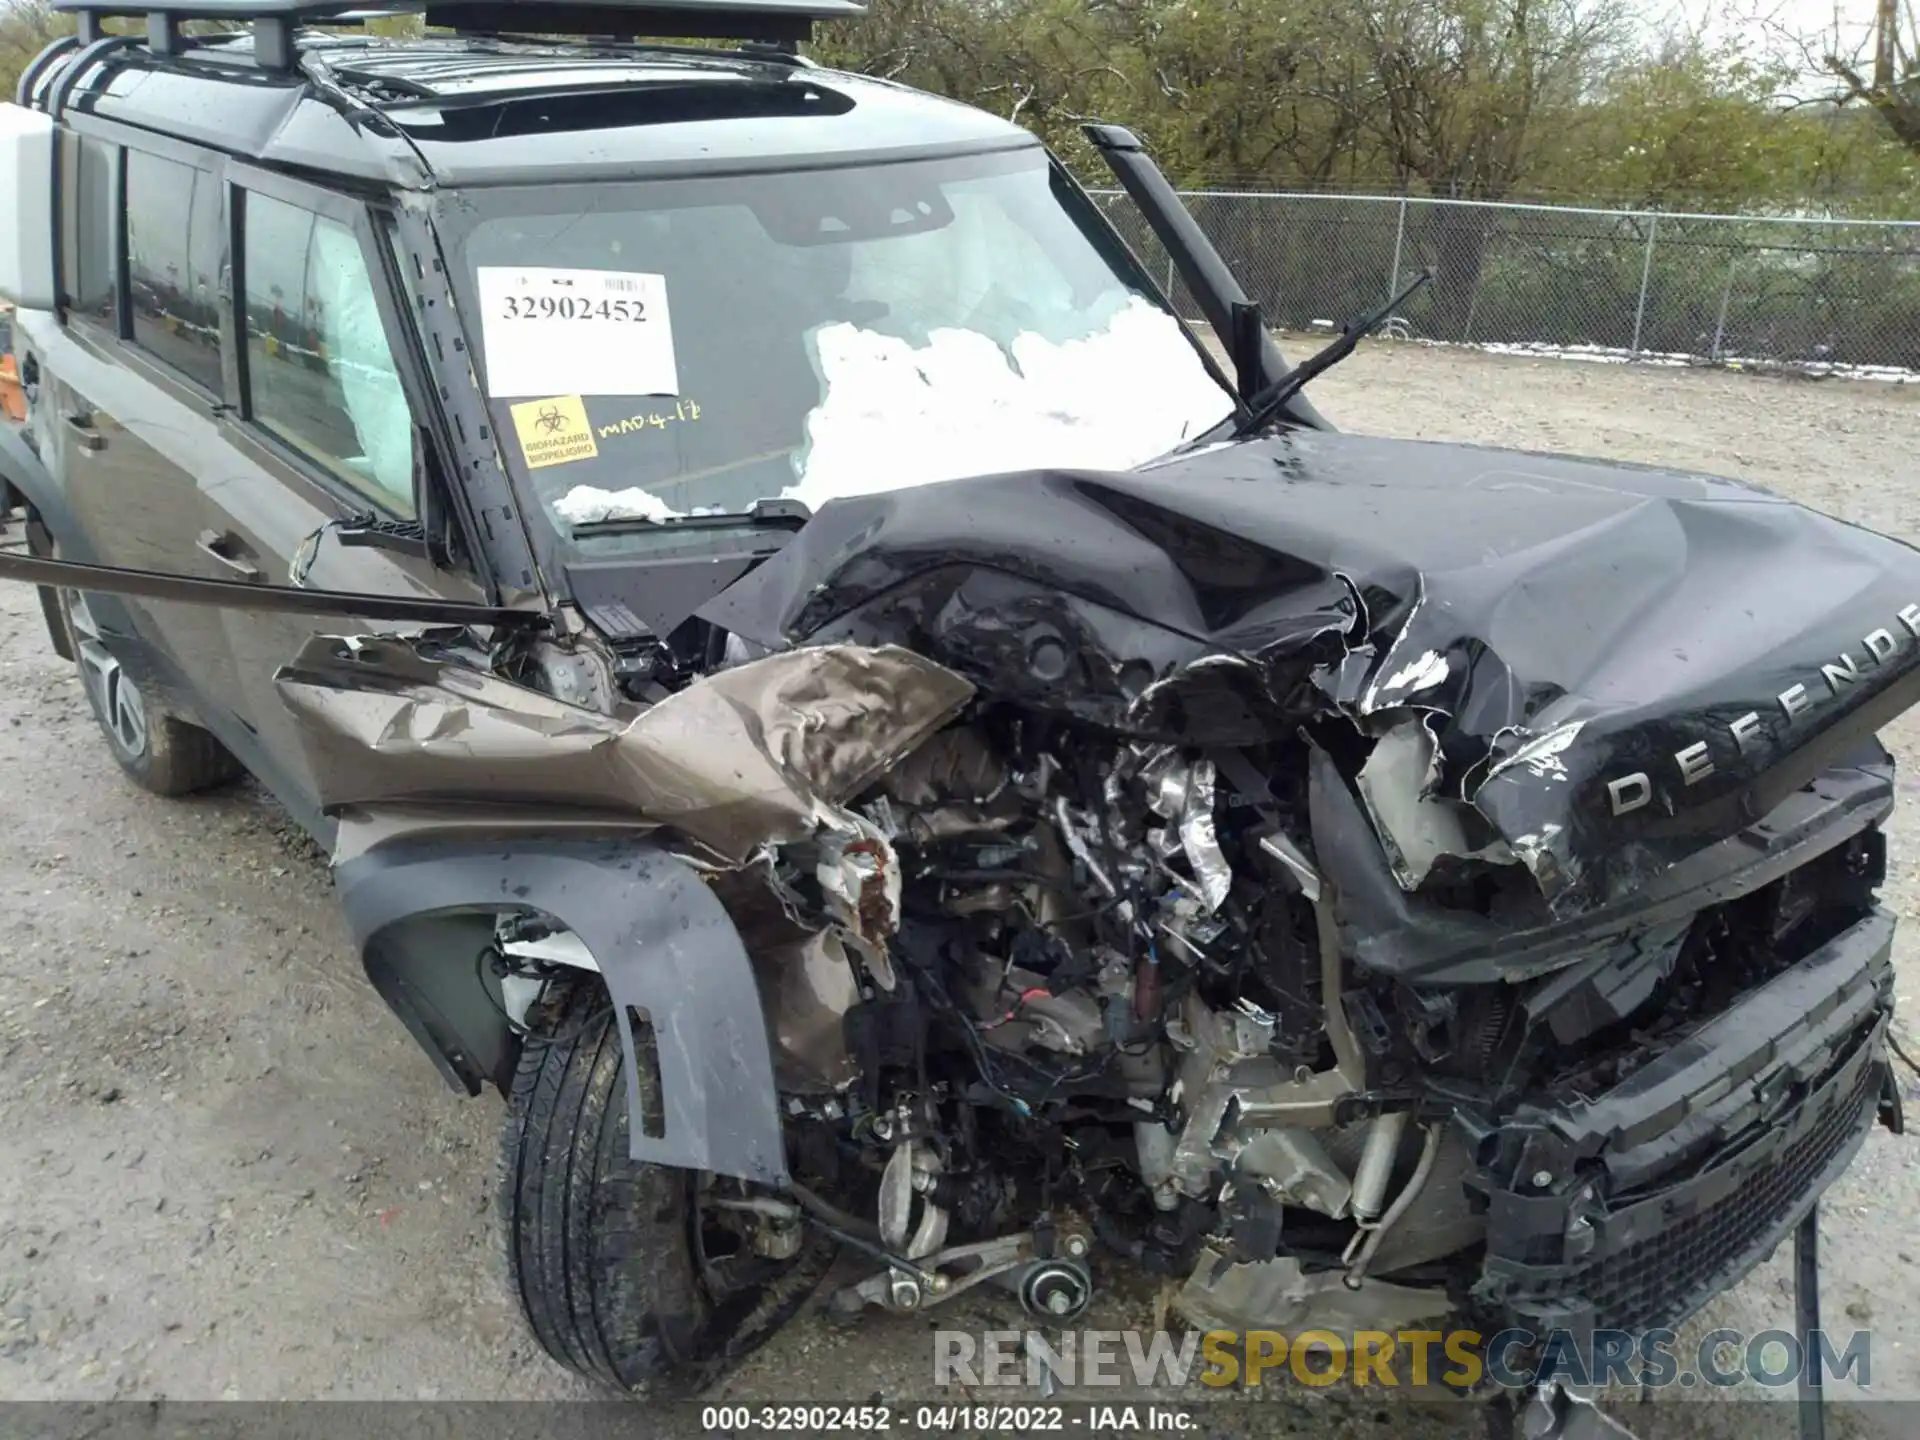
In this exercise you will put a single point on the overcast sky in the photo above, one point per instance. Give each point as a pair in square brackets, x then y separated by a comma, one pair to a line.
[1772, 24]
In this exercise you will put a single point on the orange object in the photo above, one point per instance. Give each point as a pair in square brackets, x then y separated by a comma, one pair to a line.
[11, 400]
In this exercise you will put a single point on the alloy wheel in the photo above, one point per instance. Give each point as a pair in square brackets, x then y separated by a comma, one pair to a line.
[114, 695]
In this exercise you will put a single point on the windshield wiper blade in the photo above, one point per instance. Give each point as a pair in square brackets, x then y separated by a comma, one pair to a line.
[1268, 403]
[779, 514]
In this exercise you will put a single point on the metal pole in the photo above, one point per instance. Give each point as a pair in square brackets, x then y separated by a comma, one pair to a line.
[1720, 325]
[1399, 237]
[1806, 1324]
[1646, 274]
[1473, 304]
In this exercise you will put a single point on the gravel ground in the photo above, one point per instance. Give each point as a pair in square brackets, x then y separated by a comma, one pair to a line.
[226, 1172]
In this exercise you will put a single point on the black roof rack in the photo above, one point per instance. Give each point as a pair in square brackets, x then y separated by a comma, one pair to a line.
[275, 21]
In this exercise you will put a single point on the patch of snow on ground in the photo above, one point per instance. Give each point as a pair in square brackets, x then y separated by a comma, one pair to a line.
[1619, 355]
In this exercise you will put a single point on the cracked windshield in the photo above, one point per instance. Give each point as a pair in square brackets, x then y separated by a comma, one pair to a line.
[694, 346]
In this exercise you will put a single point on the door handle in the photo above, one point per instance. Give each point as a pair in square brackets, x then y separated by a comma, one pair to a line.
[84, 435]
[227, 549]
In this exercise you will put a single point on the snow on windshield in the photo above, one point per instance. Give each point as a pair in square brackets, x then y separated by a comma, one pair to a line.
[894, 414]
[586, 503]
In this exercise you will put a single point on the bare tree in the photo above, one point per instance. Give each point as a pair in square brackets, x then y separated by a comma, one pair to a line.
[1458, 93]
[26, 28]
[1890, 81]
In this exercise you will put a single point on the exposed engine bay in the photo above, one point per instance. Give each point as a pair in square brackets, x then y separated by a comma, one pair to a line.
[1038, 988]
[1286, 908]
[1047, 978]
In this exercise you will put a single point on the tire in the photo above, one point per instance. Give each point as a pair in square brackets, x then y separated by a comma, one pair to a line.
[610, 1259]
[159, 751]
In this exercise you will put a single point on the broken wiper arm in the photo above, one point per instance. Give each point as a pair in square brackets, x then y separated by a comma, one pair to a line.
[778, 514]
[1269, 402]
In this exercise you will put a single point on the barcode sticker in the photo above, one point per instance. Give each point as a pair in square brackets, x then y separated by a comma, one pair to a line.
[547, 331]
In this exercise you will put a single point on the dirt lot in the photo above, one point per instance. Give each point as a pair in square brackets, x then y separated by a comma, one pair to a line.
[226, 1172]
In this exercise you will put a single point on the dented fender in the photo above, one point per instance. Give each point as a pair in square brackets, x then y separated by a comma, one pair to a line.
[662, 941]
[461, 796]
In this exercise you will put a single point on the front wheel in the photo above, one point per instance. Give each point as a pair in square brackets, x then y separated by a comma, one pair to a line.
[632, 1275]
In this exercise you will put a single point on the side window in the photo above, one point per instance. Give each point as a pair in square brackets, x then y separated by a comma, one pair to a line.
[176, 247]
[320, 373]
[92, 224]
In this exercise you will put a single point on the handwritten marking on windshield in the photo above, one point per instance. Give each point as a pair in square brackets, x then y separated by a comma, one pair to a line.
[683, 410]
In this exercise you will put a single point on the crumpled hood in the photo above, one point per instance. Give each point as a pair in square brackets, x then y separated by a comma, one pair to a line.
[1615, 665]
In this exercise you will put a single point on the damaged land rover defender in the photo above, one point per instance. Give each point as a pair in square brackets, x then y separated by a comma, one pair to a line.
[820, 689]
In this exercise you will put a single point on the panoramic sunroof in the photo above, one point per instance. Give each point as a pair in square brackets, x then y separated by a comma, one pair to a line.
[661, 102]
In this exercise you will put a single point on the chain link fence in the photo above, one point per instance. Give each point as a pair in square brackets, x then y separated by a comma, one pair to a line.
[1726, 289]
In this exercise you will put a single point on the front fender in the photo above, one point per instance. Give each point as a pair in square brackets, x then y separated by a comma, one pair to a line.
[665, 947]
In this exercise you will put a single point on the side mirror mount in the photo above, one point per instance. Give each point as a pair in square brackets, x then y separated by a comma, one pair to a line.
[398, 537]
[1249, 328]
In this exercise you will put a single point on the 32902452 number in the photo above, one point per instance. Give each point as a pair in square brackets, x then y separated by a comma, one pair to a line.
[568, 307]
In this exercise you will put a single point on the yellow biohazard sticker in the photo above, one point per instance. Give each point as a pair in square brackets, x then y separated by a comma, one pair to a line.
[555, 431]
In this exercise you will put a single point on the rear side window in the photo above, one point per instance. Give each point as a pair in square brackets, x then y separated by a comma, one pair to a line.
[176, 248]
[320, 373]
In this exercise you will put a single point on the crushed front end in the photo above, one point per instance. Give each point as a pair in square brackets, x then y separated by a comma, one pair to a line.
[1375, 907]
[1125, 994]
[1364, 883]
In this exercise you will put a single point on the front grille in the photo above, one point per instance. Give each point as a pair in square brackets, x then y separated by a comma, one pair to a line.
[1661, 1280]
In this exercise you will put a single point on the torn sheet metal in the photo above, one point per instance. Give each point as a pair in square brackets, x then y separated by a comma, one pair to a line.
[1622, 666]
[953, 785]
[806, 988]
[756, 755]
[1418, 829]
[1198, 838]
[859, 875]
